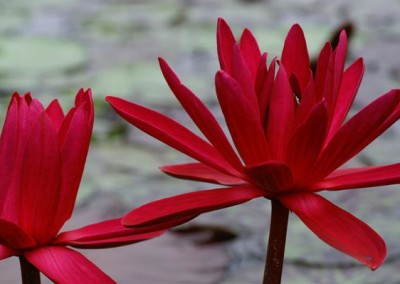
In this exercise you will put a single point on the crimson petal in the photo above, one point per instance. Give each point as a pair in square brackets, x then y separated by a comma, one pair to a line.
[169, 132]
[361, 178]
[243, 120]
[75, 136]
[63, 265]
[189, 204]
[225, 42]
[338, 228]
[40, 179]
[55, 113]
[295, 56]
[13, 236]
[201, 172]
[201, 116]
[281, 115]
[306, 143]
[106, 234]
[358, 132]
[250, 51]
[274, 176]
[6, 252]
[350, 82]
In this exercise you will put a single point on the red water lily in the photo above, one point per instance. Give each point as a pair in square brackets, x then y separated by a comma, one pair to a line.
[43, 153]
[290, 135]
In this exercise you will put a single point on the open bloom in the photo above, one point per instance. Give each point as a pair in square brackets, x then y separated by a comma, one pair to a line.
[288, 127]
[42, 153]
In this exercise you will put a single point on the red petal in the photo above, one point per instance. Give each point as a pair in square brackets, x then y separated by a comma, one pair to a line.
[240, 72]
[75, 135]
[295, 56]
[358, 132]
[339, 61]
[281, 115]
[201, 116]
[338, 228]
[314, 92]
[13, 141]
[63, 265]
[322, 71]
[169, 132]
[6, 252]
[13, 236]
[306, 143]
[243, 120]
[40, 180]
[8, 154]
[351, 81]
[225, 42]
[55, 113]
[361, 178]
[201, 172]
[251, 52]
[106, 234]
[189, 204]
[264, 86]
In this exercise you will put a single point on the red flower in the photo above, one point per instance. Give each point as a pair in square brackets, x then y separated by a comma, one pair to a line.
[290, 133]
[43, 153]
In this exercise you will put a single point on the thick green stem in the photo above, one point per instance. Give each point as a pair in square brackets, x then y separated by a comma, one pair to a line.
[276, 243]
[30, 274]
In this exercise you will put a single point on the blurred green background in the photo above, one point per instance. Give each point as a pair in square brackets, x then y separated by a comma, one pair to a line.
[53, 48]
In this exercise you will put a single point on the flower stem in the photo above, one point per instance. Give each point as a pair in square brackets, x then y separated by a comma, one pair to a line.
[276, 243]
[30, 274]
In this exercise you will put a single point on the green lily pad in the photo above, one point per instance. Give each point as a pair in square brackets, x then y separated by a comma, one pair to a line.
[39, 56]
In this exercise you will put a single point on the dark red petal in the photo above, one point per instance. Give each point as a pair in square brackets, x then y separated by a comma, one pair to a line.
[361, 178]
[106, 234]
[358, 132]
[350, 82]
[273, 176]
[306, 143]
[243, 120]
[63, 265]
[13, 236]
[251, 52]
[225, 42]
[201, 172]
[281, 115]
[295, 56]
[189, 204]
[170, 132]
[338, 228]
[201, 116]
[6, 252]
[40, 181]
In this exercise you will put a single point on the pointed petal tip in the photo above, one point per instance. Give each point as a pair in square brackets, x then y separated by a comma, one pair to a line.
[296, 28]
[221, 21]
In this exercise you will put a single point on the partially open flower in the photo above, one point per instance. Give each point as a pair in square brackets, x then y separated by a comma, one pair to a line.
[42, 154]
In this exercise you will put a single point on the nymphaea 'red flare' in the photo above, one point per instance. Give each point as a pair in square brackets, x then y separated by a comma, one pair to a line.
[43, 153]
[290, 133]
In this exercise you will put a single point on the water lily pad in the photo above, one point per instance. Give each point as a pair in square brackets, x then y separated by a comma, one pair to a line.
[39, 56]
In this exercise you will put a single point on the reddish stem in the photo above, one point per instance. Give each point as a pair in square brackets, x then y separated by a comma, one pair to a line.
[276, 243]
[30, 274]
